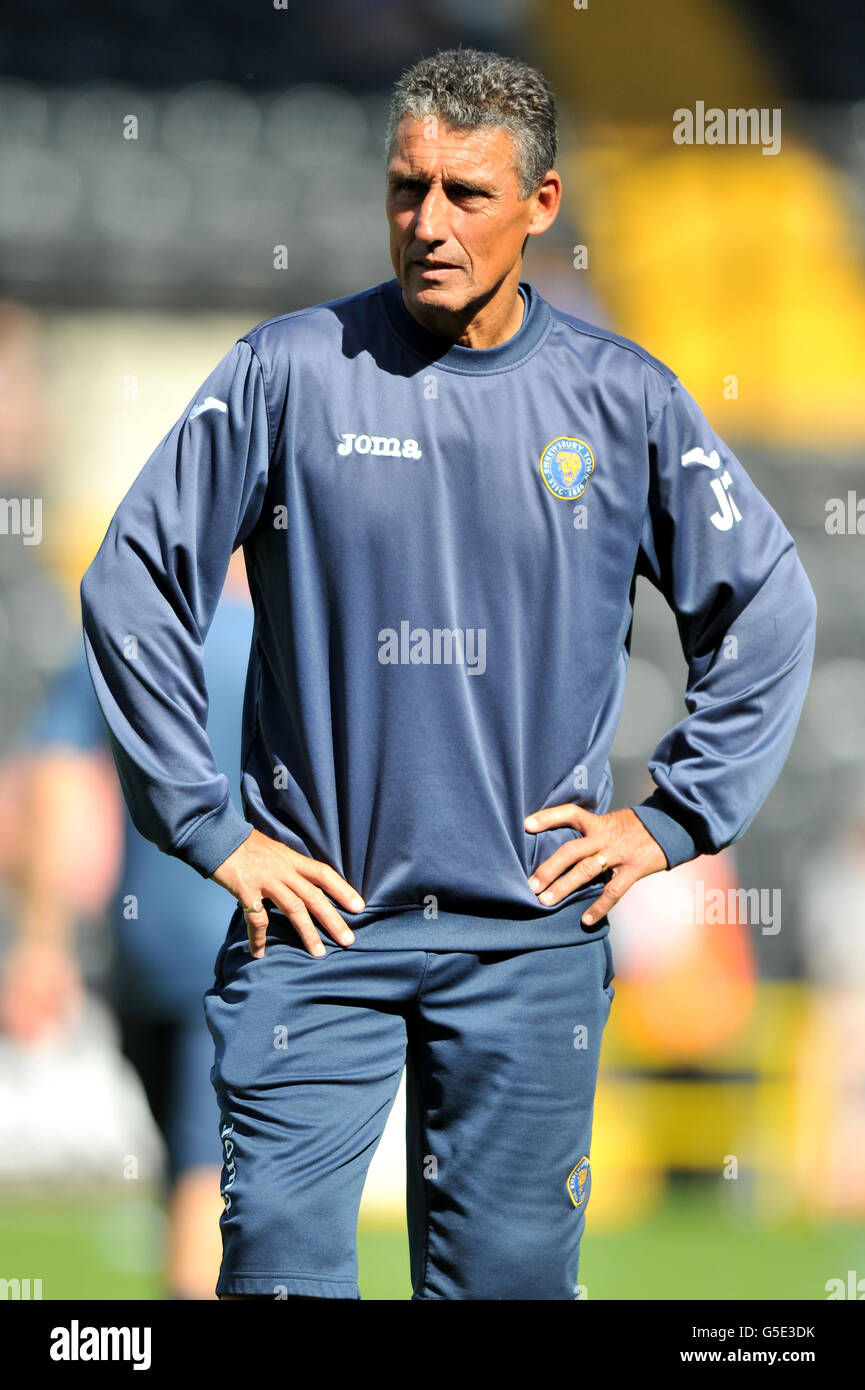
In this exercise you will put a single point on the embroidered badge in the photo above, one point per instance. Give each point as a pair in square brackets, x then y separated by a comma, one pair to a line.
[566, 466]
[578, 1183]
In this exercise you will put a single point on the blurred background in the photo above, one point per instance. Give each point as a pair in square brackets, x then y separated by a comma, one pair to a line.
[171, 175]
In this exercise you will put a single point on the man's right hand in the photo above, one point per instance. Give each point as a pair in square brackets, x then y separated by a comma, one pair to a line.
[264, 868]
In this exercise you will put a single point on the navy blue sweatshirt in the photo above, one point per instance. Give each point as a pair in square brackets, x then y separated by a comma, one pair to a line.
[442, 546]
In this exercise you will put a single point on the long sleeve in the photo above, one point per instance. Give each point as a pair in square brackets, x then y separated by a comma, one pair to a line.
[147, 602]
[746, 615]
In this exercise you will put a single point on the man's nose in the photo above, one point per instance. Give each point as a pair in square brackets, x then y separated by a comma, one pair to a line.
[430, 223]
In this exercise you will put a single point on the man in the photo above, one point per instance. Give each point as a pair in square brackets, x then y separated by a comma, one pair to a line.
[445, 491]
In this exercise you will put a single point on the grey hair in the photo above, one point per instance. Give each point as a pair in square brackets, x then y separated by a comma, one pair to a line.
[468, 89]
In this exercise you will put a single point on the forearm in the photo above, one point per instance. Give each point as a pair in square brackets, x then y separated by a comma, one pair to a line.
[714, 770]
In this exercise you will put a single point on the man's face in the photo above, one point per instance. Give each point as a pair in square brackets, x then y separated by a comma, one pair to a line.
[457, 222]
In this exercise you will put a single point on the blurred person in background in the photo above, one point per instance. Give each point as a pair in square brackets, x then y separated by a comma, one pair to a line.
[37, 627]
[833, 942]
[831, 1055]
[165, 920]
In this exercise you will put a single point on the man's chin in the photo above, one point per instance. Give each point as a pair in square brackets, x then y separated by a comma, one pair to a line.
[428, 298]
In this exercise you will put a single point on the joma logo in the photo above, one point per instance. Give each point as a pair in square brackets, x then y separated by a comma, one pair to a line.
[382, 444]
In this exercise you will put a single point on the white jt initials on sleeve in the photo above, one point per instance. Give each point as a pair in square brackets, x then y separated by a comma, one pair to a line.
[728, 513]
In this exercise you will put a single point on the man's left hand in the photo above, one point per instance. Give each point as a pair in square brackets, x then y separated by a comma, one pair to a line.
[617, 841]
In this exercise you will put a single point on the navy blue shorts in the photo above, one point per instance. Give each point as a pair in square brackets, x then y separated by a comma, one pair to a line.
[501, 1050]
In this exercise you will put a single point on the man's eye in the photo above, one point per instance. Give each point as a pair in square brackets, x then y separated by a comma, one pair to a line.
[416, 188]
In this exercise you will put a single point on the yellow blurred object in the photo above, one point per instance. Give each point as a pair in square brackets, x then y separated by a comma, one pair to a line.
[782, 1109]
[828, 1155]
[627, 1178]
[741, 272]
[628, 60]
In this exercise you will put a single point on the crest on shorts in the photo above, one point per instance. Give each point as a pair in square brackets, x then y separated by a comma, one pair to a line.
[229, 1172]
[579, 1183]
[566, 466]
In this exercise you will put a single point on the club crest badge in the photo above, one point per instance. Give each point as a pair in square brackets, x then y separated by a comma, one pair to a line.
[579, 1183]
[566, 466]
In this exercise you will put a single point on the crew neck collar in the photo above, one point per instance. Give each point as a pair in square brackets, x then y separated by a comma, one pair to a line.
[455, 355]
